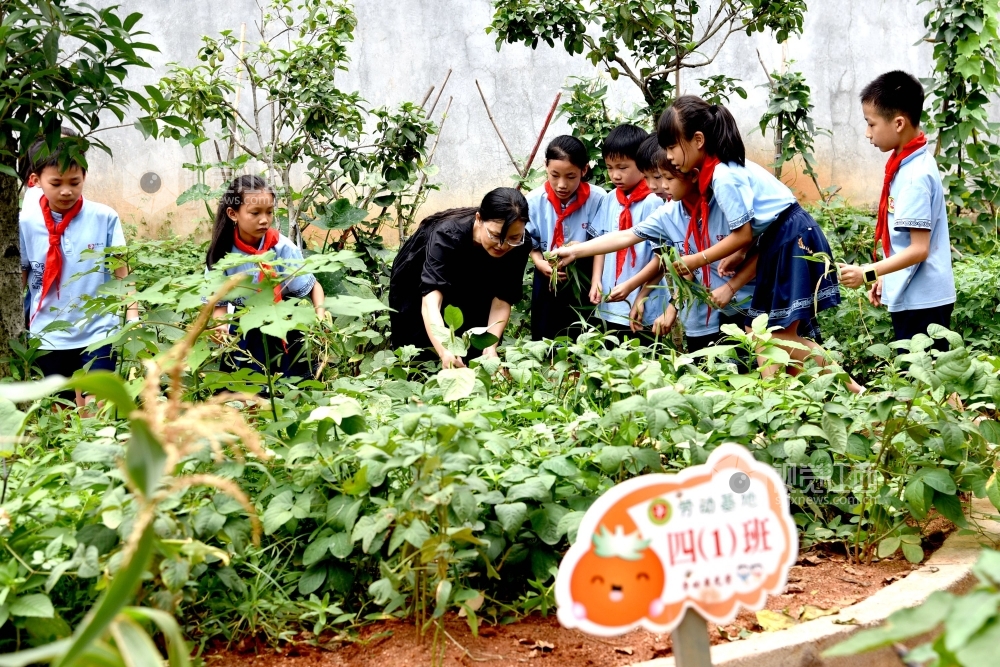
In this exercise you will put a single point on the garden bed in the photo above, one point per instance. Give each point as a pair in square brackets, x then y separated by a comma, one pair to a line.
[820, 584]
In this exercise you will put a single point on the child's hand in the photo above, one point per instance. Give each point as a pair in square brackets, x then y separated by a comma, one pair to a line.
[132, 314]
[687, 264]
[665, 322]
[220, 334]
[722, 295]
[596, 293]
[322, 315]
[635, 315]
[875, 293]
[565, 254]
[619, 293]
[851, 276]
[728, 265]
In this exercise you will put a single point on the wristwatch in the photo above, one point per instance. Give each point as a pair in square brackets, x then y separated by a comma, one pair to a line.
[871, 275]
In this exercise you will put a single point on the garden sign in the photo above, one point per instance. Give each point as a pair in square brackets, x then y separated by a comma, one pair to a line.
[713, 538]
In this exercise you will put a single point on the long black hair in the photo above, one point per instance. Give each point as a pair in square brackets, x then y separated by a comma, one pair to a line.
[505, 204]
[225, 227]
[569, 148]
[689, 114]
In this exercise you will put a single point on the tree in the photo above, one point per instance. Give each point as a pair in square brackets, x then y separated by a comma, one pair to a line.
[650, 42]
[295, 120]
[965, 79]
[63, 64]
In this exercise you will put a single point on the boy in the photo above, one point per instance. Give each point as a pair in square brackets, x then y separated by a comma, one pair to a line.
[619, 275]
[914, 279]
[53, 237]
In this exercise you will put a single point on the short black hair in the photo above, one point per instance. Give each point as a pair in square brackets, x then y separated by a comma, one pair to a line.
[648, 157]
[28, 164]
[896, 93]
[623, 141]
[38, 159]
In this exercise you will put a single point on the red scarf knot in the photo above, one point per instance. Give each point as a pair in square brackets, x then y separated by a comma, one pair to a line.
[582, 195]
[891, 167]
[52, 275]
[271, 238]
[639, 192]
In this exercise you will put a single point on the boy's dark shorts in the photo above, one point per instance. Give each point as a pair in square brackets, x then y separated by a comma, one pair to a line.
[908, 323]
[68, 362]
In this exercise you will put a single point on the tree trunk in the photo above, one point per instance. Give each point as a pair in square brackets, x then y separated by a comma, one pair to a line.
[11, 301]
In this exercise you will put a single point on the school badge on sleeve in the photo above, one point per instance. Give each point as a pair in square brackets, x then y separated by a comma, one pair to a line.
[892, 204]
[715, 538]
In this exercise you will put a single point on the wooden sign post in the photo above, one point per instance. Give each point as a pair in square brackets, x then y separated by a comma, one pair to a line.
[670, 553]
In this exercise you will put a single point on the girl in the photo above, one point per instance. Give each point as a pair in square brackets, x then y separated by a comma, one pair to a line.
[760, 210]
[470, 258]
[243, 227]
[558, 215]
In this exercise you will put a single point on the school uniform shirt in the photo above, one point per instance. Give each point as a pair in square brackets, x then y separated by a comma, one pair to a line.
[94, 228]
[749, 194]
[916, 201]
[542, 218]
[444, 257]
[298, 286]
[606, 221]
[32, 197]
[668, 226]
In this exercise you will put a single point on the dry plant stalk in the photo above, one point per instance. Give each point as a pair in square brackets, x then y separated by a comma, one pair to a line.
[183, 428]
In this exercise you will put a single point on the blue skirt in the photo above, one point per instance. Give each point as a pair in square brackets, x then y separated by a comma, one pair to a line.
[791, 288]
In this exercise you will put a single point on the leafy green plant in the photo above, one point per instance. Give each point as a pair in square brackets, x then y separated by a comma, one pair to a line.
[966, 627]
[789, 117]
[964, 34]
[353, 157]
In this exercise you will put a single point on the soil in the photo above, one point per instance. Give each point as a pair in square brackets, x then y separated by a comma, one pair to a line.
[820, 584]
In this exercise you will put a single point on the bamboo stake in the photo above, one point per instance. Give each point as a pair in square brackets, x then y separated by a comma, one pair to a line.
[541, 135]
[503, 141]
[439, 94]
[427, 96]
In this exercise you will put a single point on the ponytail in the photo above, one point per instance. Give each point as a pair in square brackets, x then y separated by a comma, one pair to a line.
[690, 114]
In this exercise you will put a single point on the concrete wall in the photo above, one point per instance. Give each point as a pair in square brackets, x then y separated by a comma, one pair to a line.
[404, 46]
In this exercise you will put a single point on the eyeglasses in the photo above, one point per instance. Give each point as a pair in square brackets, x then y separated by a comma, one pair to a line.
[511, 243]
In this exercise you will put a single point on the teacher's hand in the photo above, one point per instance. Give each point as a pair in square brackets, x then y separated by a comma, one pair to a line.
[449, 360]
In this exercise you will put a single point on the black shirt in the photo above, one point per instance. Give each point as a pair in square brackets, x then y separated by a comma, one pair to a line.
[442, 256]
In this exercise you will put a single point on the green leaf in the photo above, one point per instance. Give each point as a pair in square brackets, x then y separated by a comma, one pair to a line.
[317, 550]
[178, 652]
[145, 458]
[417, 533]
[312, 579]
[888, 547]
[441, 597]
[968, 615]
[25, 392]
[950, 508]
[105, 386]
[993, 490]
[913, 552]
[981, 649]
[197, 192]
[836, 432]
[11, 422]
[533, 489]
[50, 47]
[511, 516]
[136, 647]
[938, 479]
[796, 451]
[456, 383]
[918, 497]
[990, 430]
[36, 605]
[453, 317]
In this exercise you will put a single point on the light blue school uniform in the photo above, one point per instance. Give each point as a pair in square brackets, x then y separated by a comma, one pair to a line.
[606, 221]
[95, 228]
[298, 286]
[749, 194]
[542, 218]
[916, 201]
[668, 226]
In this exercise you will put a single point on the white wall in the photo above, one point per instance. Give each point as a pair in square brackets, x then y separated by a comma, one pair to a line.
[404, 46]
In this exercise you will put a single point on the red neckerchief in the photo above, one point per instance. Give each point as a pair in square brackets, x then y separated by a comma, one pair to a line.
[891, 167]
[582, 195]
[52, 275]
[702, 237]
[271, 238]
[639, 192]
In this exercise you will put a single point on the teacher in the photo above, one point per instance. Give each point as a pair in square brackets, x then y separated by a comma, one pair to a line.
[470, 258]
